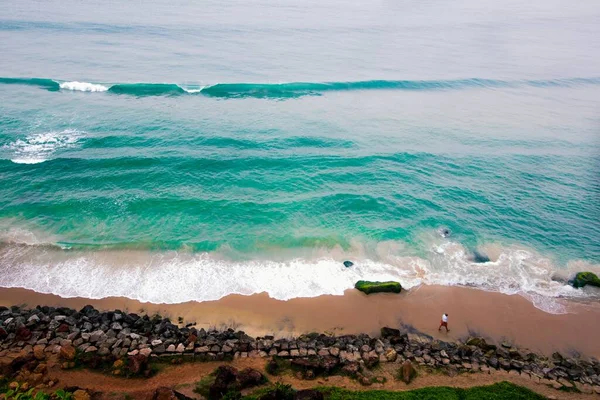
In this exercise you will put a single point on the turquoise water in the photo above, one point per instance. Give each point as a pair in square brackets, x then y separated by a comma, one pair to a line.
[188, 152]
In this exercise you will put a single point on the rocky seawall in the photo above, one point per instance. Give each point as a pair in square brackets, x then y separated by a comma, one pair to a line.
[126, 344]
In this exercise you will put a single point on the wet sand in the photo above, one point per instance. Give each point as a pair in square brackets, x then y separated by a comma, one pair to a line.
[496, 316]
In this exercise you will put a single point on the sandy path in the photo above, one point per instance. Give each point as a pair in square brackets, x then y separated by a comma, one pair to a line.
[184, 376]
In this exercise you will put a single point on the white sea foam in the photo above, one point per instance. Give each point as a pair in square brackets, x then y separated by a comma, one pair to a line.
[83, 86]
[39, 147]
[193, 91]
[175, 277]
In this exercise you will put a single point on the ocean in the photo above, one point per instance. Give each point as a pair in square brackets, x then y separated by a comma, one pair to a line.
[168, 151]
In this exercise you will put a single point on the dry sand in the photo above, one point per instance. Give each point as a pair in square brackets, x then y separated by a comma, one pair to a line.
[493, 315]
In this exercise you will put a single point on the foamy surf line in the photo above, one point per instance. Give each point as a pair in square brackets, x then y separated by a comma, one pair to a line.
[290, 89]
[172, 277]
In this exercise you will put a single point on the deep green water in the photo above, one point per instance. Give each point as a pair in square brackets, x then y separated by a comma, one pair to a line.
[197, 188]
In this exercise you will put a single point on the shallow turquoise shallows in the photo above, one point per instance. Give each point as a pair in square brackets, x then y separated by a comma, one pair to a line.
[186, 152]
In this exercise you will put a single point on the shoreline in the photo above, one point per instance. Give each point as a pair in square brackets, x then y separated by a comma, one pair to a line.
[495, 316]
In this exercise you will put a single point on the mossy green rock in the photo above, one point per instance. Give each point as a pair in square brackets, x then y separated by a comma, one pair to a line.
[369, 287]
[586, 278]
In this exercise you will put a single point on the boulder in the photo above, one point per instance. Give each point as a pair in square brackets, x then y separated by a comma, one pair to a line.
[585, 278]
[250, 377]
[225, 379]
[38, 352]
[390, 355]
[67, 352]
[369, 287]
[348, 264]
[389, 332]
[137, 364]
[407, 372]
[481, 343]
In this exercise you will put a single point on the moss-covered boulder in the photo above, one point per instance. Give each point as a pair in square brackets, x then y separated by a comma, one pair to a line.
[585, 278]
[369, 287]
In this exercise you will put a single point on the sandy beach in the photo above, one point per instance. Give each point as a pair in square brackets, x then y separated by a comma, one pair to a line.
[496, 316]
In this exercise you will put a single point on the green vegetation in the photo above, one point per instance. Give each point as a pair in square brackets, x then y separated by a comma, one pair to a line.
[586, 278]
[498, 391]
[17, 393]
[378, 287]
[203, 386]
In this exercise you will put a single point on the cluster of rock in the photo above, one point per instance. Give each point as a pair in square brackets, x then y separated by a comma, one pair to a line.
[97, 339]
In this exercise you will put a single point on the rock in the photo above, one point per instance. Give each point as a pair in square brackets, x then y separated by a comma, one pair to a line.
[171, 348]
[137, 364]
[391, 355]
[225, 376]
[116, 326]
[369, 287]
[351, 368]
[156, 342]
[165, 393]
[250, 377]
[38, 352]
[481, 343]
[23, 334]
[146, 351]
[407, 372]
[67, 352]
[389, 332]
[91, 349]
[585, 278]
[348, 264]
[308, 394]
[180, 348]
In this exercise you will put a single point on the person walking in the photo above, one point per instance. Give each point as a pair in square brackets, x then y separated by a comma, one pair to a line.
[444, 323]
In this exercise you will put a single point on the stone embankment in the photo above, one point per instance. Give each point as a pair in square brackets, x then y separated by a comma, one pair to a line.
[125, 344]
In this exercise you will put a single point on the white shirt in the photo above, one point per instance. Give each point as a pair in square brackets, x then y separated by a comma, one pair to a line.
[444, 318]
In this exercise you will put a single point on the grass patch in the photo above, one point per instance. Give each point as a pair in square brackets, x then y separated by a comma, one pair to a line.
[203, 386]
[497, 391]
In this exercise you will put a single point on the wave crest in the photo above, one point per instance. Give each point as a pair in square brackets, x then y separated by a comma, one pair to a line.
[291, 89]
[83, 86]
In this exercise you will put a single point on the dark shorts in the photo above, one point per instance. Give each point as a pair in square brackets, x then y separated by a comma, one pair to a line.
[442, 323]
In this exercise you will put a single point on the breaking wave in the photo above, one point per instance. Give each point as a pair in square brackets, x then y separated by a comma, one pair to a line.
[39, 147]
[289, 90]
[180, 276]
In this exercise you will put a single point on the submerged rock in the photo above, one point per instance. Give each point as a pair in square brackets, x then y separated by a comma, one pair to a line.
[348, 264]
[480, 258]
[585, 278]
[369, 287]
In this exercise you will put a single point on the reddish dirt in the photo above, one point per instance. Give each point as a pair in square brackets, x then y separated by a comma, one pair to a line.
[183, 378]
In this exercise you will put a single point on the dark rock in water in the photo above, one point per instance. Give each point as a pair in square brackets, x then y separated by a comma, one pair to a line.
[480, 257]
[444, 232]
[378, 287]
[585, 278]
[348, 264]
